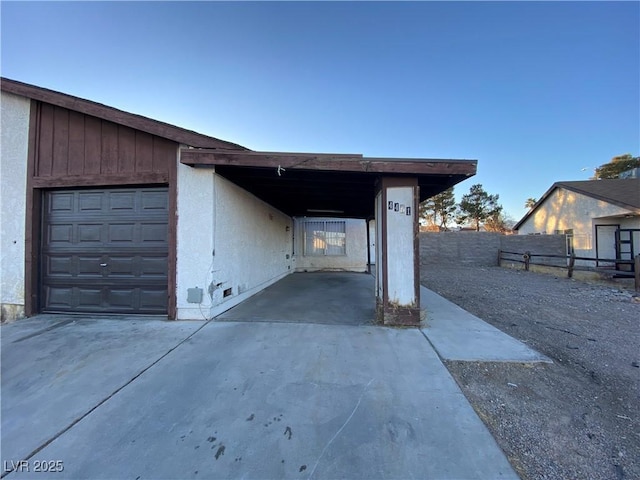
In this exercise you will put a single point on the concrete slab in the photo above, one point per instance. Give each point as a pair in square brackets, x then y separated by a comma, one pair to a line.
[458, 335]
[56, 368]
[342, 298]
[244, 400]
[332, 298]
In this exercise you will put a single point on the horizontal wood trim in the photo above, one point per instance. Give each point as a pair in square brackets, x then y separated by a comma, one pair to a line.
[327, 162]
[399, 182]
[137, 122]
[285, 154]
[100, 180]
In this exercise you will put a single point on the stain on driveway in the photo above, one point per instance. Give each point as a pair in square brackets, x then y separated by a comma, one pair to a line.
[114, 399]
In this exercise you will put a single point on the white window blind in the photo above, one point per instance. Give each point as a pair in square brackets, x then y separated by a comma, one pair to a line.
[325, 237]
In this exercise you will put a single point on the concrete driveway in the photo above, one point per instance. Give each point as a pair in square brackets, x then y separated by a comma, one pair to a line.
[143, 398]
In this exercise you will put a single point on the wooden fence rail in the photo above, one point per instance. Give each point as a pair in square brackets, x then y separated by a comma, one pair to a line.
[569, 262]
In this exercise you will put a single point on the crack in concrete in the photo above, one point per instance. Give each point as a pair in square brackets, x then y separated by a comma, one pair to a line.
[339, 430]
[103, 401]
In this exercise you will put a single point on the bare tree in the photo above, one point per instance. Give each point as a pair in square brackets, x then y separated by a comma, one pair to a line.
[499, 222]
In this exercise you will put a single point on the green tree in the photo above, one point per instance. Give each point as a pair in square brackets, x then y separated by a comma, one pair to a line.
[530, 203]
[439, 209]
[427, 214]
[616, 166]
[477, 206]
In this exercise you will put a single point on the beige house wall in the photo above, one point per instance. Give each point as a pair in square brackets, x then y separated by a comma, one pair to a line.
[567, 210]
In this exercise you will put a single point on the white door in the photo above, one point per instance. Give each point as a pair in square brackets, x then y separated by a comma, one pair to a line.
[606, 244]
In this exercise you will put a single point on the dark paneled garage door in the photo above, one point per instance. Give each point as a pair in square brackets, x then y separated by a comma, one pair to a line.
[105, 251]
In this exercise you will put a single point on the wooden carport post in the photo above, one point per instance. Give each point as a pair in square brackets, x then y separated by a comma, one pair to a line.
[397, 265]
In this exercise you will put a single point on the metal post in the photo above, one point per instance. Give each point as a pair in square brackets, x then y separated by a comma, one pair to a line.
[572, 263]
[366, 222]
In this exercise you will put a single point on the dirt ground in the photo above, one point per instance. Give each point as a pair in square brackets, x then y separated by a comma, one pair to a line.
[579, 417]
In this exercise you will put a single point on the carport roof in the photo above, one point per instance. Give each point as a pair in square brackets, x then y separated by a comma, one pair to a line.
[298, 184]
[313, 184]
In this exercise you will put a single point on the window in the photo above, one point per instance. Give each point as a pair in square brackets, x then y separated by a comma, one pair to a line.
[325, 237]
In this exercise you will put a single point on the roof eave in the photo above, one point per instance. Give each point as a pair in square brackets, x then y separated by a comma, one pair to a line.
[137, 122]
[602, 198]
[332, 162]
[536, 206]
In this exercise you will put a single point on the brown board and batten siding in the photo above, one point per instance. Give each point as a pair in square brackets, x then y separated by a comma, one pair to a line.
[74, 149]
[70, 149]
[76, 143]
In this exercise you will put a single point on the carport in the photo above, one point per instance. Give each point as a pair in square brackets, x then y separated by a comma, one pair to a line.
[388, 190]
[329, 298]
[128, 215]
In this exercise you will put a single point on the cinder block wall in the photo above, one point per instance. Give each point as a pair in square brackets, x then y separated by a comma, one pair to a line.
[481, 248]
[540, 244]
[536, 244]
[459, 248]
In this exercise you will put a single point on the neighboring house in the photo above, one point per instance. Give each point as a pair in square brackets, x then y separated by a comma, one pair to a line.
[601, 218]
[104, 211]
[633, 173]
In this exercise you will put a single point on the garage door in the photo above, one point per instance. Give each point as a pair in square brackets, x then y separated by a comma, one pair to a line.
[105, 251]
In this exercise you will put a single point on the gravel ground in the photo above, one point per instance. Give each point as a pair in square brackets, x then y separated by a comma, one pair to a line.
[578, 418]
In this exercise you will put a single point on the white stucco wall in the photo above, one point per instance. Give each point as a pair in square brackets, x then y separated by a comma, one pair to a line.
[355, 259]
[372, 241]
[14, 140]
[227, 239]
[564, 210]
[400, 238]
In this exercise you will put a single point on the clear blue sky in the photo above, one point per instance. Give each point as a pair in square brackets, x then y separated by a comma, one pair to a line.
[534, 91]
